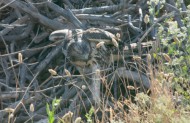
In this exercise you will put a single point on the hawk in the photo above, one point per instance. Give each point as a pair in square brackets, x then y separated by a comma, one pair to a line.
[86, 50]
[85, 47]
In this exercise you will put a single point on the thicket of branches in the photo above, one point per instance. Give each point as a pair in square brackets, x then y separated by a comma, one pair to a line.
[34, 71]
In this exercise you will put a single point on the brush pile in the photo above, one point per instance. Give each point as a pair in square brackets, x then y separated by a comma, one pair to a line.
[34, 70]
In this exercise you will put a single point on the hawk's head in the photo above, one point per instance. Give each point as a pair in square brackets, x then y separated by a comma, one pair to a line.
[75, 49]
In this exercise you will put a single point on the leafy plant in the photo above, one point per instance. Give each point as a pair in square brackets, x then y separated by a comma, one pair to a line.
[51, 112]
[89, 115]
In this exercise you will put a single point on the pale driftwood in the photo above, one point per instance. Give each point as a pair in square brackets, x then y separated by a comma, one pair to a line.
[67, 14]
[18, 22]
[102, 18]
[102, 9]
[23, 35]
[31, 10]
[8, 96]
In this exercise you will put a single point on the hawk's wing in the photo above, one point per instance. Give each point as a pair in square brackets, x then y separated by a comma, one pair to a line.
[98, 35]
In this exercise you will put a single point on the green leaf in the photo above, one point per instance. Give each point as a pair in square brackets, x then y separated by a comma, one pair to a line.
[185, 68]
[47, 108]
[155, 55]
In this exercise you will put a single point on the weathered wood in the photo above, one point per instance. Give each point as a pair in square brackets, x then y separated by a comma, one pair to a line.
[25, 27]
[31, 10]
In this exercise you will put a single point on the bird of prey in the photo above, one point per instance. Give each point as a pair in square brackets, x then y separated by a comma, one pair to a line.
[84, 47]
